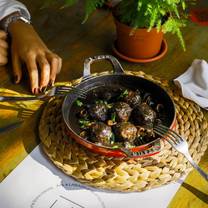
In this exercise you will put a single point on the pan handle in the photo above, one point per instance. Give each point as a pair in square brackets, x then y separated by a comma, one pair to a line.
[116, 65]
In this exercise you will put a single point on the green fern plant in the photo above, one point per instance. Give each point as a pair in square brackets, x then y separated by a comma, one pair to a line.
[165, 15]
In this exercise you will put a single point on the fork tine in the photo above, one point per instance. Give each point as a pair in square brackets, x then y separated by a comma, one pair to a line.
[65, 90]
[61, 90]
[65, 87]
[175, 135]
[162, 135]
[174, 132]
[68, 88]
[167, 137]
[165, 133]
[72, 91]
[78, 96]
[77, 90]
[81, 96]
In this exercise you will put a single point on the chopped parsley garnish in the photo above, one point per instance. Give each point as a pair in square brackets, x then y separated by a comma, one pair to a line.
[79, 103]
[123, 94]
[113, 117]
[84, 123]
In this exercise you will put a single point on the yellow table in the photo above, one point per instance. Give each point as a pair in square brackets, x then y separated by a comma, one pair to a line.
[62, 31]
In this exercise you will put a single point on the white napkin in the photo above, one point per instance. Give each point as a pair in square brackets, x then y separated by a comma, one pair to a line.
[194, 83]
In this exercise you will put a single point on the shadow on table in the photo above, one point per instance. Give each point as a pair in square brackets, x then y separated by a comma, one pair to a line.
[199, 194]
[20, 109]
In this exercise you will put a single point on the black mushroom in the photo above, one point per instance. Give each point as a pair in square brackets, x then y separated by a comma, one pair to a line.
[107, 95]
[143, 132]
[147, 98]
[101, 133]
[122, 111]
[98, 111]
[133, 98]
[110, 95]
[144, 115]
[126, 131]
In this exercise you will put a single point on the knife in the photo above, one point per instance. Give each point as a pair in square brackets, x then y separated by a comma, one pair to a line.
[10, 127]
[14, 99]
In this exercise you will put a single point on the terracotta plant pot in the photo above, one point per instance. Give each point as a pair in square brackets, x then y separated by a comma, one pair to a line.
[138, 43]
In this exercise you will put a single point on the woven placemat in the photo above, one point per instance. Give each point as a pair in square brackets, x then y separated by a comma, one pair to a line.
[125, 174]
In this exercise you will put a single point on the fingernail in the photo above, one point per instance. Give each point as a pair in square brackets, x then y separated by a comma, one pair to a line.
[43, 89]
[51, 83]
[35, 91]
[15, 79]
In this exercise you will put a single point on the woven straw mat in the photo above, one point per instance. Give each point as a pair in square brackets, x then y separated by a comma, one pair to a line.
[125, 174]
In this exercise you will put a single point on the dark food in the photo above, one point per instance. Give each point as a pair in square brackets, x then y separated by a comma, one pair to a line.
[101, 133]
[144, 115]
[118, 117]
[126, 131]
[122, 111]
[98, 111]
[133, 98]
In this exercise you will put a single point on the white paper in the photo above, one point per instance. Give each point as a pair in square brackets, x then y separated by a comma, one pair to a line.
[37, 183]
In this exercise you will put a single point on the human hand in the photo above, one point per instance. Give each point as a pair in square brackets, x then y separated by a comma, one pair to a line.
[3, 48]
[28, 48]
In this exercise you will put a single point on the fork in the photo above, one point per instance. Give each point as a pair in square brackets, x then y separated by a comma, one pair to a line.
[179, 143]
[53, 91]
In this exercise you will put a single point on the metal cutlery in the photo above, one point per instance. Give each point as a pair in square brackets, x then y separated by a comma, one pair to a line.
[53, 91]
[180, 144]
